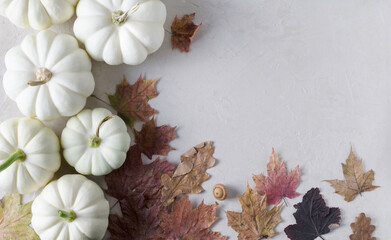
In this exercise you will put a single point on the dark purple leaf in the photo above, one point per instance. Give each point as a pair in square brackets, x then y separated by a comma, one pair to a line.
[313, 217]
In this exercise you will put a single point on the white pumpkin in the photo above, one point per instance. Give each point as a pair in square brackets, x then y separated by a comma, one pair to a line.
[38, 14]
[95, 142]
[70, 208]
[122, 31]
[48, 76]
[29, 155]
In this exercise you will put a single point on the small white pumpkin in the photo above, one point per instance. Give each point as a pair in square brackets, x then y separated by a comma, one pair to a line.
[48, 76]
[29, 155]
[70, 208]
[38, 14]
[122, 31]
[95, 142]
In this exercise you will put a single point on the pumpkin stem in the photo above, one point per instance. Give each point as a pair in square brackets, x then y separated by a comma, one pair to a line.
[68, 216]
[18, 155]
[119, 17]
[95, 141]
[42, 76]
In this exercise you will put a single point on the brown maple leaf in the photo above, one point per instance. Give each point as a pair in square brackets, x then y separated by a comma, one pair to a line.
[277, 184]
[362, 228]
[189, 174]
[131, 101]
[155, 140]
[15, 219]
[138, 221]
[138, 189]
[355, 181]
[255, 221]
[135, 177]
[186, 223]
[183, 31]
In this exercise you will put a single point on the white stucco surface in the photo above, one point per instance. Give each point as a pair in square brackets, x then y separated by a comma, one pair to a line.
[308, 77]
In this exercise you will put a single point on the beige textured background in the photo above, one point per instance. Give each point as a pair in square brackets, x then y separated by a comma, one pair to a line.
[308, 77]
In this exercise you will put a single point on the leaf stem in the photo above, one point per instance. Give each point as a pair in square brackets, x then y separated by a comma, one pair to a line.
[321, 237]
[103, 101]
[18, 155]
[115, 204]
[286, 203]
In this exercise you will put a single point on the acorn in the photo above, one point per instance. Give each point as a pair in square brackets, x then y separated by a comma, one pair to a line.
[220, 192]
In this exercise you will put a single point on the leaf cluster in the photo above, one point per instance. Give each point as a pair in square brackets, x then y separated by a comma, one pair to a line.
[147, 193]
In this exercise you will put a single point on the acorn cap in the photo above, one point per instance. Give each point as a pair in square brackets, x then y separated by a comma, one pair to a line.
[220, 192]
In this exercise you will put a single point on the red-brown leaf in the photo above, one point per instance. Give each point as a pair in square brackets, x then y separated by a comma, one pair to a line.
[131, 101]
[186, 223]
[135, 177]
[155, 140]
[277, 184]
[138, 188]
[183, 31]
[138, 222]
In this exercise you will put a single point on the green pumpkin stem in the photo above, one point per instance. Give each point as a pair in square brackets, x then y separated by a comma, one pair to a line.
[18, 155]
[68, 216]
[94, 141]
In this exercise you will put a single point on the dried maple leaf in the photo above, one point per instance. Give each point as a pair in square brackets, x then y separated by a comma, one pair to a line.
[131, 101]
[189, 174]
[138, 222]
[186, 223]
[356, 181]
[362, 228]
[155, 140]
[15, 219]
[277, 184]
[135, 177]
[138, 188]
[255, 221]
[183, 31]
[313, 218]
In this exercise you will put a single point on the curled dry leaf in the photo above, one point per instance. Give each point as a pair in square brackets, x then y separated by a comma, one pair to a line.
[183, 31]
[154, 140]
[189, 174]
[313, 218]
[356, 181]
[131, 101]
[186, 223]
[277, 184]
[362, 228]
[15, 219]
[255, 221]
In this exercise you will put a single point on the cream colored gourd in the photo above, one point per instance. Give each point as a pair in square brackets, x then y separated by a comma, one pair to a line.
[123, 31]
[70, 208]
[38, 14]
[95, 142]
[48, 76]
[29, 155]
